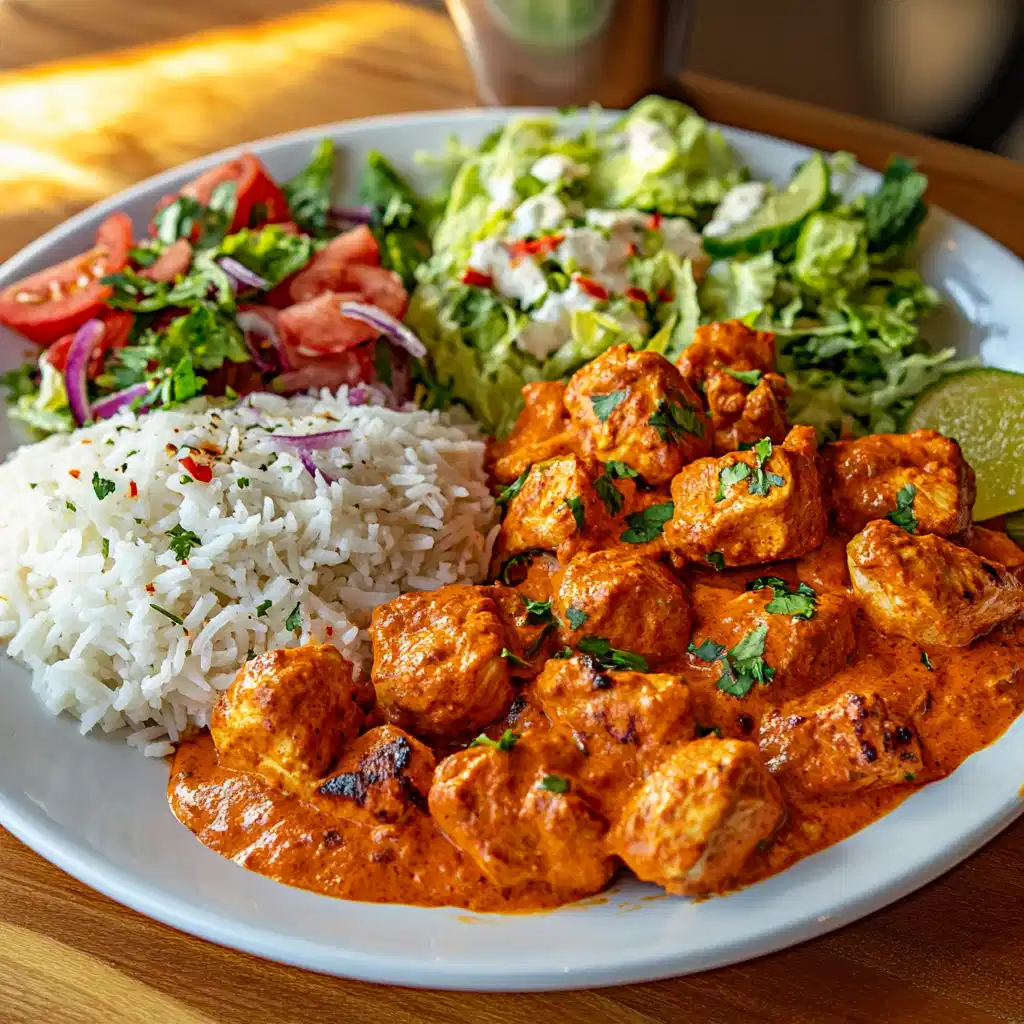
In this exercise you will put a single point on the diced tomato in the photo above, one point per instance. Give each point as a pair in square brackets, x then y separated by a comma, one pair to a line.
[47, 305]
[133, 489]
[477, 279]
[289, 227]
[379, 287]
[664, 295]
[590, 287]
[174, 262]
[352, 367]
[655, 221]
[204, 474]
[535, 246]
[117, 325]
[631, 249]
[316, 327]
[258, 200]
[637, 295]
[328, 270]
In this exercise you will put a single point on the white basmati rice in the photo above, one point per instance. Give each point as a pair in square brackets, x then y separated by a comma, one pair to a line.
[83, 577]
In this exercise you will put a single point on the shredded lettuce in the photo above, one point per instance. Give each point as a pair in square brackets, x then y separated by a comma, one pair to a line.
[735, 289]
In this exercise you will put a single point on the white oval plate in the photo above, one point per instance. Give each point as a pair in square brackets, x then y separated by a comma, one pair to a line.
[96, 808]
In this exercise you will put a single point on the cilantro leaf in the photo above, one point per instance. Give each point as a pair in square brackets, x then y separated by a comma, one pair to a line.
[700, 731]
[271, 252]
[896, 209]
[801, 603]
[761, 482]
[182, 541]
[675, 417]
[101, 487]
[565, 652]
[510, 656]
[178, 219]
[604, 405]
[555, 784]
[106, 548]
[750, 377]
[716, 560]
[575, 506]
[647, 524]
[169, 615]
[538, 610]
[742, 666]
[708, 651]
[263, 607]
[508, 493]
[903, 515]
[294, 620]
[609, 494]
[523, 556]
[927, 662]
[620, 470]
[309, 192]
[576, 616]
[612, 657]
[729, 476]
[507, 741]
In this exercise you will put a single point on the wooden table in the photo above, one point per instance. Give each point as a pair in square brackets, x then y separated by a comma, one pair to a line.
[71, 133]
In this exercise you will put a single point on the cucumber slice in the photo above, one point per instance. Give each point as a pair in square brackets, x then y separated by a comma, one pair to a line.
[779, 219]
[983, 409]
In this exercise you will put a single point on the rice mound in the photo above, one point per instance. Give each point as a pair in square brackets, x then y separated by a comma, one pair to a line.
[85, 580]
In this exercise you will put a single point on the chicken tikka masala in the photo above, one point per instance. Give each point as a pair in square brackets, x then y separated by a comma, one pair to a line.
[710, 648]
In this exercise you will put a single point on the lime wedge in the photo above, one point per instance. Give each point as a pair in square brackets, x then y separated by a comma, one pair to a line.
[983, 409]
[778, 220]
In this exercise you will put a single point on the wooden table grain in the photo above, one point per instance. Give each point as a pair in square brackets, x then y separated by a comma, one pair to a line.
[74, 131]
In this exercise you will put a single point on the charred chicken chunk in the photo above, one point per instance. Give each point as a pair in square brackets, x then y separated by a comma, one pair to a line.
[522, 818]
[849, 745]
[635, 407]
[382, 778]
[928, 589]
[633, 601]
[693, 823]
[749, 507]
[995, 546]
[437, 662]
[542, 432]
[745, 410]
[866, 477]
[625, 721]
[727, 344]
[289, 714]
[555, 509]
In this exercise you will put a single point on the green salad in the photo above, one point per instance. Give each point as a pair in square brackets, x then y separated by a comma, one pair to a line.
[550, 247]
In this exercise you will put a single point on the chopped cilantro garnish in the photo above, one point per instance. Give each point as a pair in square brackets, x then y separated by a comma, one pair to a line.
[170, 615]
[106, 548]
[801, 603]
[514, 658]
[762, 481]
[508, 740]
[620, 470]
[523, 556]
[263, 607]
[508, 493]
[707, 730]
[648, 524]
[555, 784]
[101, 487]
[575, 506]
[716, 560]
[604, 405]
[751, 377]
[609, 493]
[708, 651]
[729, 476]
[903, 516]
[576, 616]
[909, 776]
[927, 662]
[71, 506]
[250, 654]
[243, 481]
[674, 417]
[182, 541]
[565, 652]
[600, 647]
[540, 611]
[294, 620]
[742, 666]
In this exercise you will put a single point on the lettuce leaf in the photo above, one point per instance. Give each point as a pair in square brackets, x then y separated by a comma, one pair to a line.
[309, 193]
[734, 289]
[831, 254]
[271, 252]
[592, 333]
[676, 317]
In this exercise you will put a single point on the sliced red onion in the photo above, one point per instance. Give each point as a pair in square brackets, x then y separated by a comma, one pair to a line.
[353, 214]
[242, 274]
[254, 326]
[391, 328]
[76, 369]
[312, 468]
[323, 441]
[110, 404]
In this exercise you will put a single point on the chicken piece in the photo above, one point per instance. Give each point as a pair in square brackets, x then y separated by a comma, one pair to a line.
[635, 407]
[928, 589]
[555, 499]
[726, 344]
[850, 744]
[864, 476]
[625, 721]
[995, 546]
[825, 568]
[741, 414]
[800, 652]
[288, 714]
[383, 778]
[522, 817]
[632, 601]
[692, 825]
[747, 508]
[542, 432]
[437, 662]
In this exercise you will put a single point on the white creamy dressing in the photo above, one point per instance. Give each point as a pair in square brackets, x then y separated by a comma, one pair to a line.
[538, 215]
[550, 324]
[557, 167]
[650, 144]
[740, 203]
[520, 279]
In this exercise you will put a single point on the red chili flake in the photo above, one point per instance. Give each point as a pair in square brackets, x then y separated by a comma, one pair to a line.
[133, 490]
[590, 287]
[476, 278]
[655, 221]
[76, 473]
[150, 589]
[637, 295]
[631, 249]
[201, 473]
[664, 295]
[330, 631]
[534, 246]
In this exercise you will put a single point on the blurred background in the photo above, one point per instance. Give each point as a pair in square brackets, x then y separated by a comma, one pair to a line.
[96, 94]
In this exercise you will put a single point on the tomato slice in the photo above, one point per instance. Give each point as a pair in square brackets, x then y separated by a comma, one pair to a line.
[352, 367]
[328, 270]
[47, 305]
[315, 327]
[258, 200]
[117, 325]
[171, 264]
